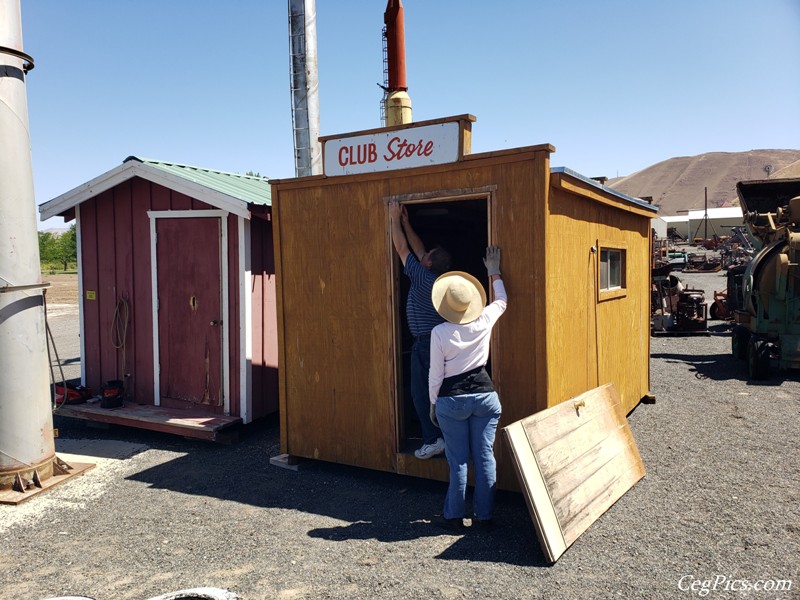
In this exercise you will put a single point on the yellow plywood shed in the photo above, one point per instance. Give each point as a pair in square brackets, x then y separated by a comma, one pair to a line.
[343, 339]
[574, 460]
[600, 336]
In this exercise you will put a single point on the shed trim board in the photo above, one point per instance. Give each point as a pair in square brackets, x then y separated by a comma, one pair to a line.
[81, 325]
[245, 322]
[600, 193]
[591, 182]
[223, 254]
[482, 193]
[130, 169]
[445, 195]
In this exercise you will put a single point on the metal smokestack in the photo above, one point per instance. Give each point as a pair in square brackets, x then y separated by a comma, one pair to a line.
[398, 102]
[304, 87]
[26, 420]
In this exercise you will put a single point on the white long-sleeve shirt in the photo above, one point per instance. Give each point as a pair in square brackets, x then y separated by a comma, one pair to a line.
[457, 349]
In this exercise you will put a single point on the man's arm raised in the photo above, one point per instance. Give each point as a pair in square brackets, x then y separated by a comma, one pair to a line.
[398, 236]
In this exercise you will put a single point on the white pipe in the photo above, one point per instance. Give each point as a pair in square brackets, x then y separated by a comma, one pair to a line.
[26, 421]
[304, 86]
[312, 81]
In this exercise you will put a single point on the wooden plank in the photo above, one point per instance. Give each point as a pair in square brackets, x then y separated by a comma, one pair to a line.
[537, 497]
[141, 307]
[192, 424]
[235, 366]
[123, 271]
[574, 460]
[549, 427]
[88, 303]
[598, 492]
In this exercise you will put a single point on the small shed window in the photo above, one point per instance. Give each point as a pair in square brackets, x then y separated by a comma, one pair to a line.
[611, 273]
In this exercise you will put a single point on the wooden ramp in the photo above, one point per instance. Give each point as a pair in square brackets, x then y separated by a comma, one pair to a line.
[574, 460]
[191, 424]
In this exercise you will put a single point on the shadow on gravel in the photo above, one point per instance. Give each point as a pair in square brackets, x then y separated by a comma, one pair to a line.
[721, 367]
[707, 366]
[372, 505]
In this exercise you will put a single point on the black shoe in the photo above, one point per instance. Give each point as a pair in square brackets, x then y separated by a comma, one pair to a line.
[451, 525]
[482, 525]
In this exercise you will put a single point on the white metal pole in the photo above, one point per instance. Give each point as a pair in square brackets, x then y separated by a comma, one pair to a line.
[312, 83]
[26, 421]
[304, 84]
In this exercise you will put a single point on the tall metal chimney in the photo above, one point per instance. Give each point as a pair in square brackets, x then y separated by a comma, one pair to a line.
[27, 449]
[304, 87]
[26, 420]
[398, 102]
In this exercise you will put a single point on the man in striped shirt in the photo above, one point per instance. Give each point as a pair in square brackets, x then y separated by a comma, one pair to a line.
[422, 268]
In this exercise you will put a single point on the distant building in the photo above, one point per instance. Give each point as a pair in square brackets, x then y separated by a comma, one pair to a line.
[720, 221]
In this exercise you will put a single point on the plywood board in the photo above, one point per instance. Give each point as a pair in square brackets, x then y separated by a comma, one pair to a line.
[573, 461]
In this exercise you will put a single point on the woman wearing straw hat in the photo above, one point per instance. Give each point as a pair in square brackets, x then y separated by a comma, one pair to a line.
[464, 402]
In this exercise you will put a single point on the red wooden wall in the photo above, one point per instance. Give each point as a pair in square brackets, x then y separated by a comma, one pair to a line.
[264, 316]
[115, 246]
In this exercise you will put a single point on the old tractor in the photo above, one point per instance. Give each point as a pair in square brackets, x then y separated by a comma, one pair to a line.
[767, 330]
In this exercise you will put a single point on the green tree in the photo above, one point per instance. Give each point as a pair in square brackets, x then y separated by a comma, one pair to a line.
[47, 242]
[66, 247]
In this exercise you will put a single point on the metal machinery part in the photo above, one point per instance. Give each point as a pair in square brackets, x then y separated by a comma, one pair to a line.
[691, 312]
[768, 331]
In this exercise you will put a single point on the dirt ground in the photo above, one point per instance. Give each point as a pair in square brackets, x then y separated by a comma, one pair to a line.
[63, 289]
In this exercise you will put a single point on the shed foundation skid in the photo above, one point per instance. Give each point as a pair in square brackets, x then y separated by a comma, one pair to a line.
[181, 422]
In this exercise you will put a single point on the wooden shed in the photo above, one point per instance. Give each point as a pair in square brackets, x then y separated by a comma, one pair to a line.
[576, 264]
[177, 295]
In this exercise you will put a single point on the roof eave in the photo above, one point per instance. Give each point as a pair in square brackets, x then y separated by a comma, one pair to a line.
[636, 204]
[127, 170]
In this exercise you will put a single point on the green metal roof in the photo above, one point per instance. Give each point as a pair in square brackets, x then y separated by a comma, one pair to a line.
[247, 188]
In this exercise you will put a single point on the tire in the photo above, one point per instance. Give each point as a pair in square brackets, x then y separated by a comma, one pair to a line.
[739, 339]
[713, 311]
[757, 358]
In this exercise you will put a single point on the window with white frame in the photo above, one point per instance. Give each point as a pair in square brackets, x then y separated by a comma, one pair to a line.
[611, 272]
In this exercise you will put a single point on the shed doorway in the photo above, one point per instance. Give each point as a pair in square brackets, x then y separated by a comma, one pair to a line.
[462, 226]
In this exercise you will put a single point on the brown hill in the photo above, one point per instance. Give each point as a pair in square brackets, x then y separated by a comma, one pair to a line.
[677, 184]
[790, 172]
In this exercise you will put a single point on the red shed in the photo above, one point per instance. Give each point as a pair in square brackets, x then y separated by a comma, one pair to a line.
[177, 295]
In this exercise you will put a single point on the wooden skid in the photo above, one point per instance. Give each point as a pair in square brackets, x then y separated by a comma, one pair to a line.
[214, 428]
[702, 332]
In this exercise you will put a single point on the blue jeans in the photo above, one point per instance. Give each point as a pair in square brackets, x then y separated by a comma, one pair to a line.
[469, 423]
[420, 395]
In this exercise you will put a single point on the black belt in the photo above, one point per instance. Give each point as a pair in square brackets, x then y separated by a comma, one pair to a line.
[423, 336]
[475, 381]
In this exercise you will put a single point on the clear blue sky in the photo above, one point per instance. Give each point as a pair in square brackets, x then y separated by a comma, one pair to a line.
[615, 86]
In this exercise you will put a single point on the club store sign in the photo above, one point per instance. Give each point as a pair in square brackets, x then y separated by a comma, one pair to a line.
[387, 151]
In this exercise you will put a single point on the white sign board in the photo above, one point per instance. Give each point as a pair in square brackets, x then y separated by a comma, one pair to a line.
[388, 151]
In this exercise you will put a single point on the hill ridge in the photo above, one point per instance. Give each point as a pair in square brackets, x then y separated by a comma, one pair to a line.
[678, 184]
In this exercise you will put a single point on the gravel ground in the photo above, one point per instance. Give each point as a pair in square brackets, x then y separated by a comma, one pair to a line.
[160, 513]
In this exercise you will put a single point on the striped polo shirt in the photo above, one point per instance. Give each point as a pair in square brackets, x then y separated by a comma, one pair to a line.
[421, 315]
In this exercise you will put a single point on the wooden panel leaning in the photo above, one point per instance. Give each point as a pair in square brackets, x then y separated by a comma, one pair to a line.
[573, 461]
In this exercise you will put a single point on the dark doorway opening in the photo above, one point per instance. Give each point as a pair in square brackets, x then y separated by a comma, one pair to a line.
[461, 226]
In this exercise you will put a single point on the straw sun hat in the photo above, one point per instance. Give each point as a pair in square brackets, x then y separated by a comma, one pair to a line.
[458, 297]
